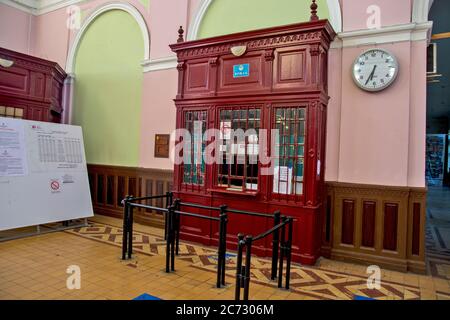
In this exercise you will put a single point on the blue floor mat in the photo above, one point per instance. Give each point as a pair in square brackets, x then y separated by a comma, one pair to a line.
[361, 298]
[146, 296]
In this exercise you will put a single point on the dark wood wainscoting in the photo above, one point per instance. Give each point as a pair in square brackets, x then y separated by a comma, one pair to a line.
[379, 225]
[110, 184]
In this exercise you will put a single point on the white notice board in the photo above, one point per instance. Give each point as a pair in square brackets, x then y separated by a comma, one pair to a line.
[43, 173]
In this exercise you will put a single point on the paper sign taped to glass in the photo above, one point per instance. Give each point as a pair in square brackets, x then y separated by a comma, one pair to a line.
[284, 182]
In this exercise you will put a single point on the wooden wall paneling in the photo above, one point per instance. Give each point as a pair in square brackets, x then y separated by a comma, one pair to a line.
[110, 182]
[91, 178]
[113, 182]
[348, 222]
[390, 226]
[415, 241]
[416, 229]
[386, 218]
[368, 223]
[148, 193]
[120, 190]
[100, 186]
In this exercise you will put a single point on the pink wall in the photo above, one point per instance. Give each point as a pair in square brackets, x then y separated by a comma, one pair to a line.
[334, 114]
[55, 46]
[15, 29]
[158, 114]
[416, 164]
[166, 17]
[374, 129]
[393, 12]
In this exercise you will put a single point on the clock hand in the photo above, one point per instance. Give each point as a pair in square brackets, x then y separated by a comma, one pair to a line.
[371, 75]
[373, 72]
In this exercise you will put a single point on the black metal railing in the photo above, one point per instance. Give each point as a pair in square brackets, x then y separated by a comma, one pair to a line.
[128, 206]
[171, 234]
[243, 273]
[276, 216]
[281, 248]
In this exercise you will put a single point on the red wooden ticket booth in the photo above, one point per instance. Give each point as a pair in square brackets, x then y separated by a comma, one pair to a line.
[273, 78]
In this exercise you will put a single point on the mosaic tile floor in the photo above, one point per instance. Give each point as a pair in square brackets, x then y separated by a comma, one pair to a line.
[35, 268]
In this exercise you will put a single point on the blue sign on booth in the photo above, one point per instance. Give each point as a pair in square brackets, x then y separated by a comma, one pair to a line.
[241, 70]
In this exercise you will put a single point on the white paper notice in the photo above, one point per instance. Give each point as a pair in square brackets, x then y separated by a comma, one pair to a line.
[13, 157]
[282, 180]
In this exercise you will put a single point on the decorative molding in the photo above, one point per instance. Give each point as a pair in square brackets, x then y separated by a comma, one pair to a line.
[28, 6]
[47, 6]
[160, 64]
[334, 10]
[98, 12]
[421, 9]
[264, 43]
[390, 34]
[195, 24]
[335, 13]
[5, 63]
[39, 7]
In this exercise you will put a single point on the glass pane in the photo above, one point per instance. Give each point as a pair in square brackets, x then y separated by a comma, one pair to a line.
[240, 155]
[193, 148]
[289, 169]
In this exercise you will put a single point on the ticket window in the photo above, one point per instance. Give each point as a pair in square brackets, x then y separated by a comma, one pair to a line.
[239, 147]
[289, 151]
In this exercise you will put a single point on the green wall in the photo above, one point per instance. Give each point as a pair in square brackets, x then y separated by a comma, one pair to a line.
[229, 16]
[108, 89]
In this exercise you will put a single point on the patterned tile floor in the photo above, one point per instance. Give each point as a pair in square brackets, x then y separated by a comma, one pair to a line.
[35, 268]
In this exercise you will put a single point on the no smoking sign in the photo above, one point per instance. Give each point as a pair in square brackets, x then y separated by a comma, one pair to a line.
[54, 185]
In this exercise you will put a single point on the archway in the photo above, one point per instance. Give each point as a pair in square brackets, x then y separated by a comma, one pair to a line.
[98, 12]
[108, 86]
[327, 9]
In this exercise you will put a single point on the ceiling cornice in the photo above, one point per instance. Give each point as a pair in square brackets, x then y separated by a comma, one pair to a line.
[38, 7]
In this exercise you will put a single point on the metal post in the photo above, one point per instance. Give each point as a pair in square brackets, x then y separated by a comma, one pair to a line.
[219, 253]
[168, 238]
[248, 256]
[239, 274]
[130, 230]
[125, 228]
[169, 196]
[275, 244]
[223, 240]
[177, 225]
[172, 232]
[282, 248]
[289, 253]
[169, 201]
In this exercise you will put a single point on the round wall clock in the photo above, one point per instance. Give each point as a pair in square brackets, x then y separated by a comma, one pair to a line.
[375, 70]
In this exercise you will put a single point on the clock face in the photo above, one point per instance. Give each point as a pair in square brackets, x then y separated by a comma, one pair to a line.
[375, 70]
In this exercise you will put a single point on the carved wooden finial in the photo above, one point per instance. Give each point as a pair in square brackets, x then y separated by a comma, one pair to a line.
[314, 6]
[180, 34]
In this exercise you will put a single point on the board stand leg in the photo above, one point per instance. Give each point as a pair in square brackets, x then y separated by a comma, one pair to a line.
[44, 229]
